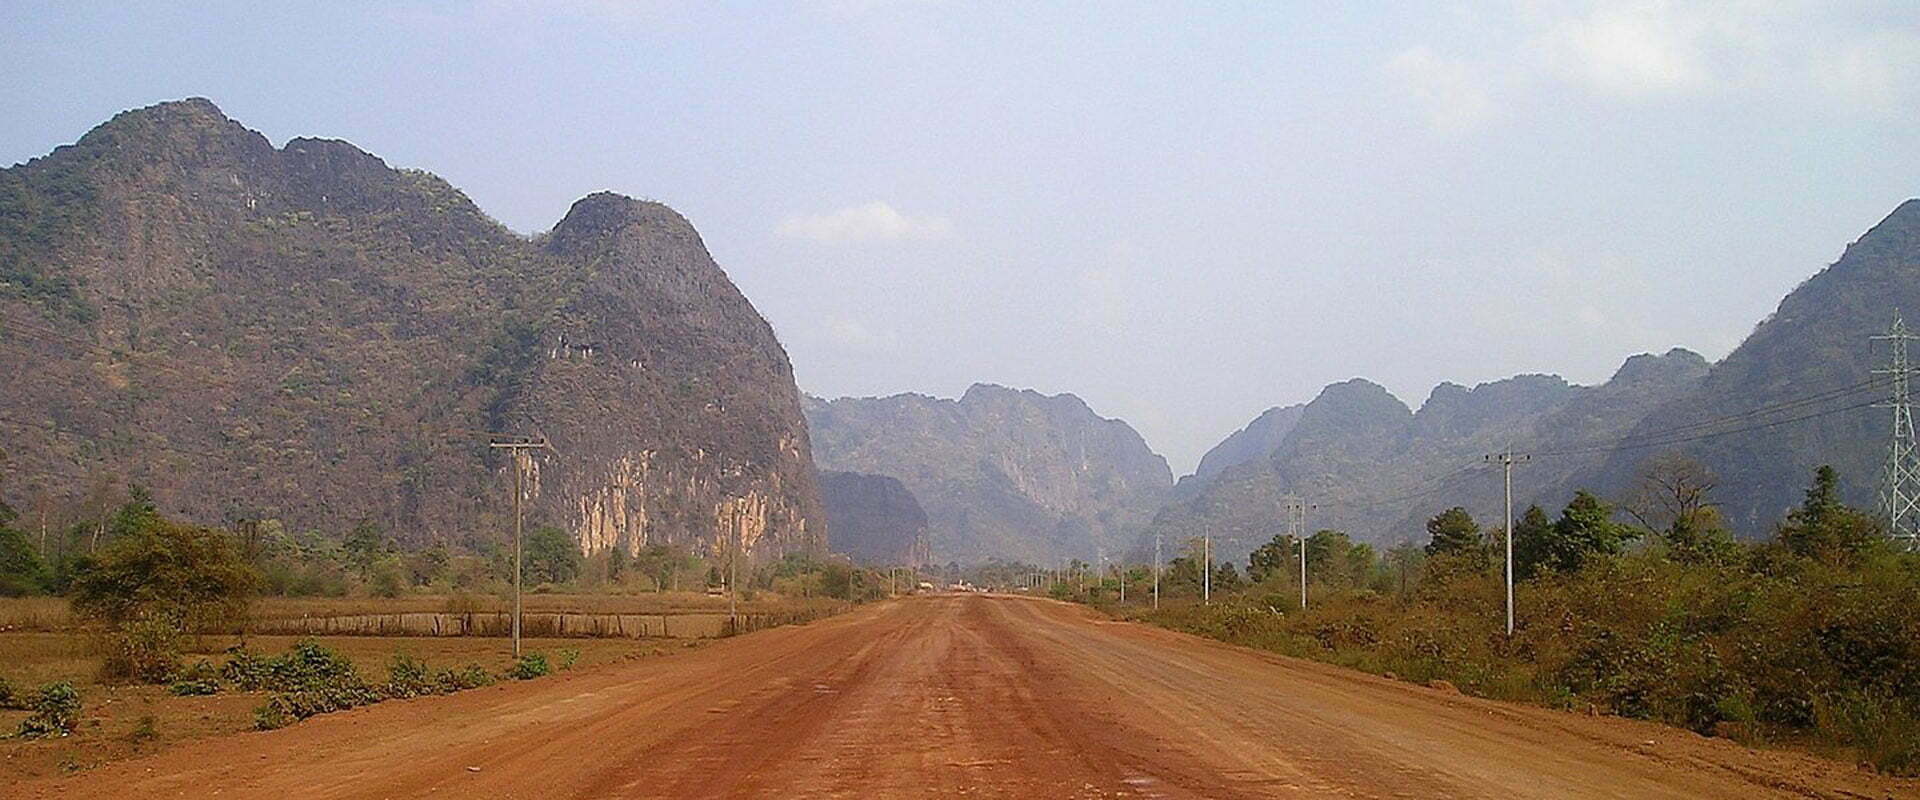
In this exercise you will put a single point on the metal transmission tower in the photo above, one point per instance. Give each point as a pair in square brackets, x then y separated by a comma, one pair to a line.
[1296, 525]
[1900, 478]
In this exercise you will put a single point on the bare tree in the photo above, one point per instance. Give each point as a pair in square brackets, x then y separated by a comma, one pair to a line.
[1670, 487]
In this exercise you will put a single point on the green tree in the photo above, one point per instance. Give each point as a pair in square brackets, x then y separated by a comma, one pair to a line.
[1270, 559]
[1826, 529]
[1333, 558]
[1454, 533]
[616, 563]
[22, 571]
[363, 546]
[551, 555]
[1584, 530]
[186, 574]
[1532, 542]
[1226, 578]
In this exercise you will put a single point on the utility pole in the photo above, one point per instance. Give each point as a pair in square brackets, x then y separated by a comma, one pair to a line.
[1156, 572]
[1296, 527]
[517, 447]
[1206, 569]
[1506, 461]
[1900, 477]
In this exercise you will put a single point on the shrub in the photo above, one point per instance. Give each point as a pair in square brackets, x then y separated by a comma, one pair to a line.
[144, 650]
[161, 569]
[409, 677]
[8, 699]
[568, 657]
[473, 676]
[191, 687]
[1886, 730]
[530, 666]
[56, 707]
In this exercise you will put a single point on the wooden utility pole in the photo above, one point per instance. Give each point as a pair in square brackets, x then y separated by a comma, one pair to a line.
[517, 448]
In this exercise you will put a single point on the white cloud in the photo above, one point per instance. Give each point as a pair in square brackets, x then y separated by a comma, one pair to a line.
[1631, 49]
[853, 334]
[1878, 70]
[871, 222]
[1446, 89]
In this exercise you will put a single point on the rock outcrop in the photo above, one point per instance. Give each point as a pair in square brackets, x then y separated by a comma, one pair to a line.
[305, 333]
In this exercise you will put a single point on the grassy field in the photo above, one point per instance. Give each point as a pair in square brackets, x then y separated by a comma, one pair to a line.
[119, 721]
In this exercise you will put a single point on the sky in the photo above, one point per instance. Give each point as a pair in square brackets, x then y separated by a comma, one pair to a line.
[1184, 213]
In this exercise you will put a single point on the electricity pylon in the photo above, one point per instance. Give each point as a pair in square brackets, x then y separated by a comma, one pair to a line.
[1900, 477]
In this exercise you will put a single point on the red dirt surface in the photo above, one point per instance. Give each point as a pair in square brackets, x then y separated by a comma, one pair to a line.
[966, 696]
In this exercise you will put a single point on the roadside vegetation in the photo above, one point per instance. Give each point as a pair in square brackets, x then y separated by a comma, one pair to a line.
[1810, 638]
[125, 629]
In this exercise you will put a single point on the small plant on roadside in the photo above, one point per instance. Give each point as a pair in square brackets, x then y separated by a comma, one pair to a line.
[409, 677]
[530, 666]
[145, 730]
[9, 700]
[56, 708]
[568, 657]
[473, 676]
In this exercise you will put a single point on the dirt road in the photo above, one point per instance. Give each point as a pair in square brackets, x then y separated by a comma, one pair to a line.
[966, 696]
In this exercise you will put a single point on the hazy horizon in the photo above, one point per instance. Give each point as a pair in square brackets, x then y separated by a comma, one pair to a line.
[1183, 218]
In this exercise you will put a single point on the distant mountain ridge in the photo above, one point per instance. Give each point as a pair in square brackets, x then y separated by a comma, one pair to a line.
[1001, 472]
[1796, 394]
[308, 334]
[1374, 468]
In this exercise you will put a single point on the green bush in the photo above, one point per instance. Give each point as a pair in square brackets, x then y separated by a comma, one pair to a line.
[8, 699]
[192, 687]
[56, 708]
[530, 666]
[473, 676]
[409, 677]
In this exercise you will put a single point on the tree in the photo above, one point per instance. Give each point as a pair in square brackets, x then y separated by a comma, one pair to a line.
[1333, 558]
[551, 555]
[22, 571]
[190, 576]
[1226, 578]
[363, 546]
[1532, 537]
[1671, 498]
[1824, 528]
[1270, 559]
[616, 563]
[1584, 530]
[1454, 533]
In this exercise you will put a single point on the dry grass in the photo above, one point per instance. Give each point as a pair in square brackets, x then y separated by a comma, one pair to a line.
[115, 720]
[34, 614]
[52, 613]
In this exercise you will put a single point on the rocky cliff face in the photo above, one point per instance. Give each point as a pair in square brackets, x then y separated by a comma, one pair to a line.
[873, 519]
[1001, 472]
[305, 333]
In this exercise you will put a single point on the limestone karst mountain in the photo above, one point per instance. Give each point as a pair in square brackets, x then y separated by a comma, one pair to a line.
[1813, 357]
[873, 519]
[1798, 393]
[1374, 468]
[308, 334]
[1001, 472]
